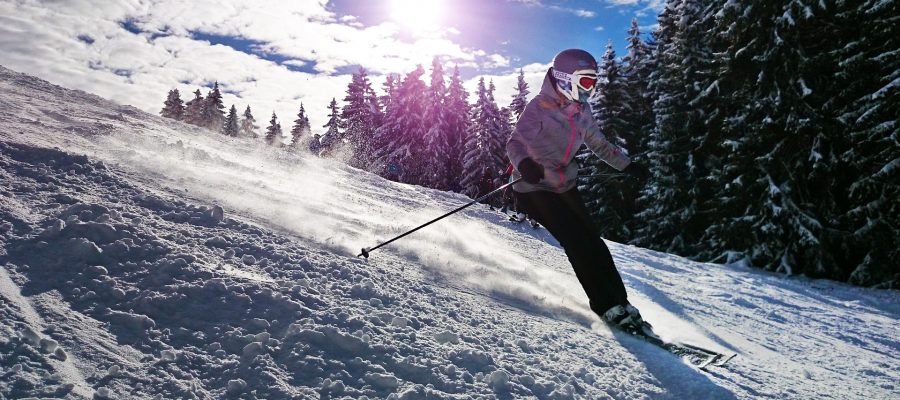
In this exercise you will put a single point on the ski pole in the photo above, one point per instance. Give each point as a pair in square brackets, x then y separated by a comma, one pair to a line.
[365, 252]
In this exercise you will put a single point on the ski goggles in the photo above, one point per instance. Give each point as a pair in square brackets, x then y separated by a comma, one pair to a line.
[584, 79]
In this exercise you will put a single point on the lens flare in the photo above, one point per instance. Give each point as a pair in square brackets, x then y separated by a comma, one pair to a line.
[419, 16]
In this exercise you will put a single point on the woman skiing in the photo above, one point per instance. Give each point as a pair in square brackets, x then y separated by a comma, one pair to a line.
[548, 134]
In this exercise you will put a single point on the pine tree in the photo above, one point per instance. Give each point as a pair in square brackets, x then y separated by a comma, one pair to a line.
[332, 140]
[866, 104]
[435, 143]
[212, 114]
[390, 85]
[638, 109]
[248, 125]
[674, 221]
[611, 100]
[520, 99]
[359, 117]
[273, 131]
[480, 165]
[173, 107]
[399, 140]
[193, 109]
[499, 133]
[456, 120]
[230, 127]
[609, 200]
[506, 126]
[637, 113]
[300, 132]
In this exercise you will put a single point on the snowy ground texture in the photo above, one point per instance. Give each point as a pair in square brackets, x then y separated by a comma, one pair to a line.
[144, 258]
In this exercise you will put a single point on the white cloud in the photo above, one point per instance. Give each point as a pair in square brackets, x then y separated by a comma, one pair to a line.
[599, 28]
[506, 83]
[579, 12]
[41, 38]
[648, 28]
[654, 6]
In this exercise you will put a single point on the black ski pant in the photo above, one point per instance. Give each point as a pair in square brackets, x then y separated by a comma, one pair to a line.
[568, 220]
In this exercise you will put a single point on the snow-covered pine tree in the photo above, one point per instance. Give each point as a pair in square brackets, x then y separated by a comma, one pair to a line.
[520, 98]
[193, 109]
[672, 222]
[607, 199]
[383, 132]
[776, 195]
[500, 131]
[300, 132]
[456, 120]
[212, 114]
[665, 195]
[480, 168]
[868, 110]
[390, 85]
[273, 131]
[173, 107]
[231, 127]
[359, 118]
[248, 125]
[611, 100]
[332, 141]
[435, 141]
[637, 113]
[399, 140]
[638, 110]
[506, 125]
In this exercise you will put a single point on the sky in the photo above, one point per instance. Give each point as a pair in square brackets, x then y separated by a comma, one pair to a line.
[274, 55]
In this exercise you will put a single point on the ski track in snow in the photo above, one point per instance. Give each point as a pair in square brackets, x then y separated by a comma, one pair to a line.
[121, 279]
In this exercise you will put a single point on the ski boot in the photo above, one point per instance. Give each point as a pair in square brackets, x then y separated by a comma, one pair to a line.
[627, 318]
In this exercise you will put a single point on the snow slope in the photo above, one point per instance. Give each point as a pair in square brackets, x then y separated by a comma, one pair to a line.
[145, 258]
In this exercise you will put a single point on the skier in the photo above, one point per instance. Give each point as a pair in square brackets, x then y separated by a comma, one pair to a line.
[547, 135]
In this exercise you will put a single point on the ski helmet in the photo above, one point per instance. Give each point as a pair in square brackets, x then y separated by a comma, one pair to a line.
[575, 73]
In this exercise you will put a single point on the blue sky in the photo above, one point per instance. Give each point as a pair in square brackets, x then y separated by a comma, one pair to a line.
[275, 54]
[524, 31]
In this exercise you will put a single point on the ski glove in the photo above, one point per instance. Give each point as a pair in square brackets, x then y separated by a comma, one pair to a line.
[638, 171]
[531, 171]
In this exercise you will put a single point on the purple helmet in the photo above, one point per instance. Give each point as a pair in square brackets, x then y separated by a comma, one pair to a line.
[575, 72]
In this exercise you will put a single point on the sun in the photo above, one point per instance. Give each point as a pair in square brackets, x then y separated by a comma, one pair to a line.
[419, 16]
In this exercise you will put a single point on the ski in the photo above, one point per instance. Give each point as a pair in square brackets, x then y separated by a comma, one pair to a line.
[700, 357]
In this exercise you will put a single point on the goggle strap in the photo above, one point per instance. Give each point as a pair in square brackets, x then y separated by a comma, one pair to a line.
[562, 76]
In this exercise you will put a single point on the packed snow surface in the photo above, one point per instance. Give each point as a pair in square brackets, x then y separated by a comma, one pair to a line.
[145, 258]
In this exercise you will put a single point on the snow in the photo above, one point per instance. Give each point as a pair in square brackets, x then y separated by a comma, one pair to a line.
[806, 91]
[144, 258]
[892, 86]
[889, 167]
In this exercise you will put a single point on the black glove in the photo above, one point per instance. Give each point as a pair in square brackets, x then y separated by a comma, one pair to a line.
[638, 171]
[531, 171]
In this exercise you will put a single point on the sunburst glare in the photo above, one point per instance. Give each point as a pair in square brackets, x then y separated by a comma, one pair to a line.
[419, 16]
